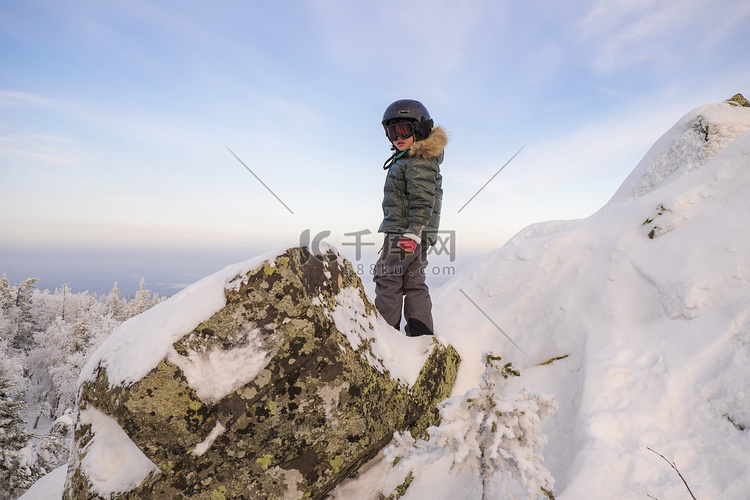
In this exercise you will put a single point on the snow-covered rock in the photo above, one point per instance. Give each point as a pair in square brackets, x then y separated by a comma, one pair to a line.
[274, 378]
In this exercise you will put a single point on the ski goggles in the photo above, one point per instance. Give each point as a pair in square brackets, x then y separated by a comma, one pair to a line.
[404, 130]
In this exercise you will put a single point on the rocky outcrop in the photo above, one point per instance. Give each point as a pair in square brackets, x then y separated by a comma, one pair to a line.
[281, 393]
[739, 100]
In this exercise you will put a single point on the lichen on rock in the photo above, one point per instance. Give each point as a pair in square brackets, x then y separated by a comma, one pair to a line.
[321, 387]
[739, 100]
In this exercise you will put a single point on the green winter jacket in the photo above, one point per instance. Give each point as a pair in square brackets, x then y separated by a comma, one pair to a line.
[413, 192]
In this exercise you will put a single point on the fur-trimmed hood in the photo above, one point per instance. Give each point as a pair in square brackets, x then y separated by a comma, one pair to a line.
[431, 147]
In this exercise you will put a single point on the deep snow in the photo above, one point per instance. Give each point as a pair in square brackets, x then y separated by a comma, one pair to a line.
[650, 300]
[641, 313]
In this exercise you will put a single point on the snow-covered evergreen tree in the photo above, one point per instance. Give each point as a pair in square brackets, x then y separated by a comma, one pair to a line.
[49, 353]
[25, 322]
[141, 302]
[6, 296]
[67, 303]
[115, 306]
[62, 348]
[12, 361]
[495, 435]
[13, 439]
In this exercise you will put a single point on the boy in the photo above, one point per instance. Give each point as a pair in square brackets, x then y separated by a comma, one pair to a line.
[413, 195]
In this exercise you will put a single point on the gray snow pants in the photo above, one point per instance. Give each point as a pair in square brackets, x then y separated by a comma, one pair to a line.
[400, 283]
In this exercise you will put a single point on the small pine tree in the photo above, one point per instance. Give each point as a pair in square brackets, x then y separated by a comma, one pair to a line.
[494, 434]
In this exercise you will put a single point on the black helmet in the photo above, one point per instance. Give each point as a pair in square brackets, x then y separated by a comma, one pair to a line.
[409, 110]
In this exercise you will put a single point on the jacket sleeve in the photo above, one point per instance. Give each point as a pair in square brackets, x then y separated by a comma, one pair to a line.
[421, 184]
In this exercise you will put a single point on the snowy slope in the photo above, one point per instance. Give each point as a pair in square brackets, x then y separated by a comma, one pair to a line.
[650, 300]
[647, 306]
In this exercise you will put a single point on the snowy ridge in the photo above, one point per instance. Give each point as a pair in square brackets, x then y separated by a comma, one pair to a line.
[646, 305]
[689, 144]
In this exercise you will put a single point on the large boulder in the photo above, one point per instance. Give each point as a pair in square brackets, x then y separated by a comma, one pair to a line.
[274, 378]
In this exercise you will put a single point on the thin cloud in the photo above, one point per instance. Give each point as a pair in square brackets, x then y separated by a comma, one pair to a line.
[10, 98]
[668, 32]
[430, 36]
[44, 148]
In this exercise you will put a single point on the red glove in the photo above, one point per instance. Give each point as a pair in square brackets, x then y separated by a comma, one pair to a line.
[408, 245]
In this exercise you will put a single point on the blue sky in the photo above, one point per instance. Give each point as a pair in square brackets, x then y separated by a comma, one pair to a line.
[115, 119]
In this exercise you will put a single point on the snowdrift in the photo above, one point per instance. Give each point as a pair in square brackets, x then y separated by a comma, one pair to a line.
[641, 313]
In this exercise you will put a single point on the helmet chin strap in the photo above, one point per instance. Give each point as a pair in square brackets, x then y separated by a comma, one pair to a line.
[392, 158]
